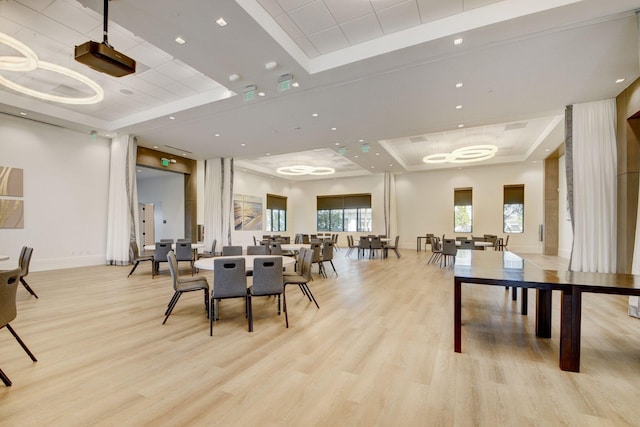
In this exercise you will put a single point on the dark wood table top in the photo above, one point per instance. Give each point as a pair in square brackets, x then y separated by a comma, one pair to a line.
[507, 268]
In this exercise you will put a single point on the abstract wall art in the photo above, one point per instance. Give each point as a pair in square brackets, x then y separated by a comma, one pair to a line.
[247, 212]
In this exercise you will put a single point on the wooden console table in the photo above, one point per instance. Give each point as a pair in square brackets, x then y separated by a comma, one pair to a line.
[508, 269]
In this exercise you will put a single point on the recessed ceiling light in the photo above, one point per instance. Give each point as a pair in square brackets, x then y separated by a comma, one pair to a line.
[315, 114]
[234, 77]
[620, 80]
[377, 154]
[457, 41]
[334, 128]
[171, 118]
[295, 84]
[221, 22]
[243, 144]
[260, 93]
[337, 143]
[180, 40]
[139, 171]
[216, 134]
[184, 154]
[371, 167]
[458, 107]
[22, 113]
[268, 154]
[356, 156]
[155, 146]
[270, 65]
[459, 84]
[461, 126]
[546, 149]
[361, 140]
[390, 165]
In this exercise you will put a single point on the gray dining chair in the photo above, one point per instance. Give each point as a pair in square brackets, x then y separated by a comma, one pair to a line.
[327, 256]
[393, 247]
[210, 254]
[182, 285]
[24, 261]
[160, 255]
[229, 281]
[134, 256]
[449, 251]
[267, 281]
[301, 279]
[184, 252]
[8, 311]
[258, 250]
[231, 250]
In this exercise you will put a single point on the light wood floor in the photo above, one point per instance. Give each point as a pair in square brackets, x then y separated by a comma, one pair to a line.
[378, 352]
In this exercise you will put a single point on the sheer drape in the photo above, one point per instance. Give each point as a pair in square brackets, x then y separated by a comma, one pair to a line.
[594, 187]
[218, 202]
[390, 216]
[122, 221]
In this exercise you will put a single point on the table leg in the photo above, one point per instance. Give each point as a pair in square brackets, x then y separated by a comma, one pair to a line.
[457, 316]
[570, 318]
[543, 313]
[418, 248]
[524, 304]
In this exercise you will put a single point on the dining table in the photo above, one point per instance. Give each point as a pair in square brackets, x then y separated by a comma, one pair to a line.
[478, 243]
[194, 246]
[208, 263]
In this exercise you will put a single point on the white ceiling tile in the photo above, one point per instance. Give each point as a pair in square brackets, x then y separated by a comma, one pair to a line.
[384, 4]
[399, 17]
[156, 77]
[148, 100]
[362, 29]
[344, 11]
[176, 69]
[313, 18]
[164, 94]
[431, 10]
[474, 4]
[289, 26]
[38, 5]
[289, 5]
[9, 27]
[149, 55]
[135, 83]
[272, 7]
[329, 40]
[307, 47]
[73, 15]
[201, 83]
[181, 90]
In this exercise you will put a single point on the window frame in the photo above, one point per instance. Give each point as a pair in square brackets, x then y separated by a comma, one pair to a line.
[462, 198]
[513, 195]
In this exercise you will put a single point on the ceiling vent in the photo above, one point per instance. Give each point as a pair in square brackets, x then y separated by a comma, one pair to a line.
[514, 126]
[420, 138]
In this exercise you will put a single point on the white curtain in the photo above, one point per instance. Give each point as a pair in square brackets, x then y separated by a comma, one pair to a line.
[218, 202]
[634, 302]
[594, 187]
[122, 221]
[390, 213]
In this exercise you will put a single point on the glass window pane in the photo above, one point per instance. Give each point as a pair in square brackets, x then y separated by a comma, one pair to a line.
[463, 219]
[268, 226]
[323, 220]
[336, 220]
[283, 221]
[365, 219]
[351, 220]
[513, 216]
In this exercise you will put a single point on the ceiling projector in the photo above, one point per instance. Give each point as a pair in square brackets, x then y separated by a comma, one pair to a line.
[102, 57]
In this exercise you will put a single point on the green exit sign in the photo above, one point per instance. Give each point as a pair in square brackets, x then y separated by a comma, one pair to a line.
[164, 162]
[284, 85]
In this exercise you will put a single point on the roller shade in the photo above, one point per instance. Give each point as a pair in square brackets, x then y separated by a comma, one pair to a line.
[462, 197]
[276, 202]
[513, 194]
[347, 201]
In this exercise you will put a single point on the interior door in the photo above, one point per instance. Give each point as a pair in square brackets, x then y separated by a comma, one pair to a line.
[147, 224]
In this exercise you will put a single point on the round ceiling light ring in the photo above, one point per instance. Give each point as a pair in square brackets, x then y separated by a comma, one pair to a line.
[295, 170]
[437, 158]
[473, 153]
[97, 97]
[27, 62]
[321, 170]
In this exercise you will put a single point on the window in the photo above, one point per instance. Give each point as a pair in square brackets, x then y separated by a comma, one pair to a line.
[513, 209]
[462, 210]
[351, 212]
[276, 213]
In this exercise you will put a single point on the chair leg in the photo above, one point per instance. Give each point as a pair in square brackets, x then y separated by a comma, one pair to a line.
[284, 303]
[334, 267]
[397, 252]
[206, 301]
[250, 311]
[311, 295]
[279, 311]
[170, 309]
[211, 316]
[5, 379]
[172, 302]
[24, 283]
[22, 344]
[134, 268]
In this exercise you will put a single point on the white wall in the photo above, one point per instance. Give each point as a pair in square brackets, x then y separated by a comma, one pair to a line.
[166, 193]
[66, 180]
[565, 233]
[248, 184]
[425, 203]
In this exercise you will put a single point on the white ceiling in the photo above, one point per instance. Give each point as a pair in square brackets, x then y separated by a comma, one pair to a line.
[381, 72]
